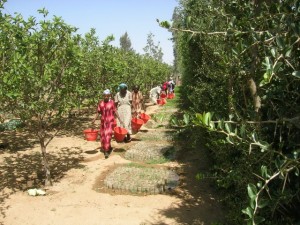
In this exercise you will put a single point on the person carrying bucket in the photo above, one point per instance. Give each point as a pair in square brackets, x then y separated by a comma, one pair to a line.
[137, 101]
[164, 88]
[123, 102]
[154, 94]
[107, 110]
[171, 85]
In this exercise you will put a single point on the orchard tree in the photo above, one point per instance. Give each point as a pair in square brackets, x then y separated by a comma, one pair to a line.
[41, 83]
[46, 70]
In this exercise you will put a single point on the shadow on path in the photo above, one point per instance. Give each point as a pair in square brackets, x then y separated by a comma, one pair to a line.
[198, 199]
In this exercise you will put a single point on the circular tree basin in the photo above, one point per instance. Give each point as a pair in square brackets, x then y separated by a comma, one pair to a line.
[139, 179]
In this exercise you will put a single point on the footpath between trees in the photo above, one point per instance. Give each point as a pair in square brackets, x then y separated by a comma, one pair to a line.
[151, 180]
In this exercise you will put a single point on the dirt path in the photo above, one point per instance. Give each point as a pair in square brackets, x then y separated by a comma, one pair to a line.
[77, 196]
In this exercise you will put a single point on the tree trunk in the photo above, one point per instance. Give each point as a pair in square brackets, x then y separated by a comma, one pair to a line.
[48, 181]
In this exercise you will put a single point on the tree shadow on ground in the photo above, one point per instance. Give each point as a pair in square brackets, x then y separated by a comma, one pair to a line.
[20, 170]
[199, 201]
[14, 141]
[24, 171]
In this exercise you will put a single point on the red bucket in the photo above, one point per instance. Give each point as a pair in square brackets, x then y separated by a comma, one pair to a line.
[136, 123]
[91, 134]
[145, 117]
[158, 101]
[171, 96]
[119, 134]
[163, 95]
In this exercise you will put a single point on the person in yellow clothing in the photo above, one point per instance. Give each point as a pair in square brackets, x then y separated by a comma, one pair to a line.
[137, 101]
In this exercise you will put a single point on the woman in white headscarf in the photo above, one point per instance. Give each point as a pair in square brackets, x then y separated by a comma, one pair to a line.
[106, 108]
[154, 94]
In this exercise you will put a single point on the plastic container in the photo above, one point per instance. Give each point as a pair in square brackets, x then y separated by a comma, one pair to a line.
[161, 101]
[91, 134]
[145, 117]
[170, 96]
[136, 124]
[119, 134]
[163, 95]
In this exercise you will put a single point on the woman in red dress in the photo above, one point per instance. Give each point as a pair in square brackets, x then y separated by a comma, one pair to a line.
[106, 108]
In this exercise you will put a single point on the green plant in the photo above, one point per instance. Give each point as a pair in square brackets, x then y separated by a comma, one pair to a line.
[239, 60]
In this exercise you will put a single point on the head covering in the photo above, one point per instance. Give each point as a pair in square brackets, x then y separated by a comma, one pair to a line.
[122, 86]
[106, 92]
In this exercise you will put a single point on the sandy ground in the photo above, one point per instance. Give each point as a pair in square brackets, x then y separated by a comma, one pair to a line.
[76, 197]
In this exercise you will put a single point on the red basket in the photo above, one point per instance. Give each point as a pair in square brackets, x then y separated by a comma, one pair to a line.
[145, 117]
[136, 124]
[91, 134]
[119, 133]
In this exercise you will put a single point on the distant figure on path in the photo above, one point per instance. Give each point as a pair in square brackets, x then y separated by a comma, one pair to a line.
[164, 88]
[154, 94]
[137, 101]
[171, 85]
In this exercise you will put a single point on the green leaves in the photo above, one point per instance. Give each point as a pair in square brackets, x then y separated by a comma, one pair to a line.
[296, 74]
[252, 191]
[203, 119]
[164, 24]
[250, 210]
[280, 42]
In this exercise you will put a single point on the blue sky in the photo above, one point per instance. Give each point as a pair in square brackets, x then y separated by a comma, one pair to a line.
[109, 17]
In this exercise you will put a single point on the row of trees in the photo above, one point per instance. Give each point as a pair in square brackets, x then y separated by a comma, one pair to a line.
[240, 66]
[47, 70]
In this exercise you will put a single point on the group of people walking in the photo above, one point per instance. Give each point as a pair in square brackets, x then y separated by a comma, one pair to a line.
[165, 88]
[124, 106]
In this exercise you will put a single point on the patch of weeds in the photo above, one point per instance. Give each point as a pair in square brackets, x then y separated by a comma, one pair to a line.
[167, 157]
[140, 180]
[172, 103]
[159, 117]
